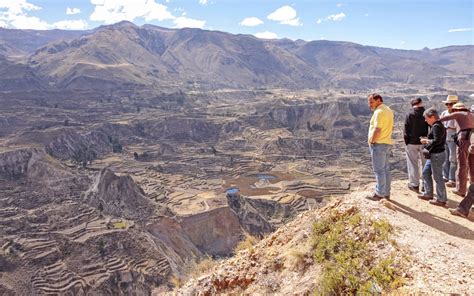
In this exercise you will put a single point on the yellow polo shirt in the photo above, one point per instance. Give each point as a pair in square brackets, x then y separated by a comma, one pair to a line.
[383, 119]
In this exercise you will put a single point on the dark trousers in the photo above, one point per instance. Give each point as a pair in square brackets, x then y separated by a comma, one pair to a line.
[467, 202]
[463, 163]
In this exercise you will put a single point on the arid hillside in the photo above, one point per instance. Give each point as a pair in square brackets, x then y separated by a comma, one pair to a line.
[125, 56]
[428, 251]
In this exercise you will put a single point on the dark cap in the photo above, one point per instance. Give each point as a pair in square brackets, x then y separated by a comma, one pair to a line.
[416, 101]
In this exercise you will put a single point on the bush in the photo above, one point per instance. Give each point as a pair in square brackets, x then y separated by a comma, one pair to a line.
[343, 243]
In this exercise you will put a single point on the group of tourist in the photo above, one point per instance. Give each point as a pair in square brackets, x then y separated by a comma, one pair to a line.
[438, 144]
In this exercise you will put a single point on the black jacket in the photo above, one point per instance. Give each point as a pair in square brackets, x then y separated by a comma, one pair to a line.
[415, 126]
[437, 136]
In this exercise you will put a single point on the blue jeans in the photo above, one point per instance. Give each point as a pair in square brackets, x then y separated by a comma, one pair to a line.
[434, 170]
[380, 154]
[450, 163]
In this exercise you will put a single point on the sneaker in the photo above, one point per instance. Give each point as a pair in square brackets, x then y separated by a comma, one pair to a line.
[436, 202]
[458, 193]
[457, 212]
[374, 197]
[414, 188]
[451, 184]
[425, 197]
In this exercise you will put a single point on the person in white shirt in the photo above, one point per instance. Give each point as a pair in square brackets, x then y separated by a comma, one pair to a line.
[450, 164]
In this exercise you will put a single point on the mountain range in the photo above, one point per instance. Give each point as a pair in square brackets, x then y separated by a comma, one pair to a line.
[126, 56]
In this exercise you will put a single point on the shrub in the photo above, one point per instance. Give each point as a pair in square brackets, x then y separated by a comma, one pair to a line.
[343, 243]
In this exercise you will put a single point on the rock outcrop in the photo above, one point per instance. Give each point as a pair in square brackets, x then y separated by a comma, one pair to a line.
[215, 232]
[119, 196]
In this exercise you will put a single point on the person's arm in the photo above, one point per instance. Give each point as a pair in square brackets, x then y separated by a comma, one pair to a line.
[448, 117]
[377, 123]
[438, 134]
[375, 135]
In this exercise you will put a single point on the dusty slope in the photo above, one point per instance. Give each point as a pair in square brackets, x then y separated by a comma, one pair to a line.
[440, 248]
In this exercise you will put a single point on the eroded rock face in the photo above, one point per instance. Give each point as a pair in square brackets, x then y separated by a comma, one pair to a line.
[80, 148]
[214, 232]
[119, 196]
[164, 231]
[319, 116]
[291, 146]
[34, 166]
[14, 164]
[187, 129]
[128, 282]
[255, 215]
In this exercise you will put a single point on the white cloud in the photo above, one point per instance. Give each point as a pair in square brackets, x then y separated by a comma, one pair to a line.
[402, 42]
[339, 4]
[293, 22]
[203, 2]
[112, 11]
[14, 14]
[251, 22]
[71, 11]
[184, 22]
[336, 17]
[266, 35]
[70, 25]
[332, 17]
[460, 30]
[286, 15]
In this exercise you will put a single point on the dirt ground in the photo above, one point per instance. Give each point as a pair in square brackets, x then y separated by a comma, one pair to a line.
[441, 245]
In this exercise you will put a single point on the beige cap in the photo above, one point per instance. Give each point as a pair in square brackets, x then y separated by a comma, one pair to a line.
[459, 106]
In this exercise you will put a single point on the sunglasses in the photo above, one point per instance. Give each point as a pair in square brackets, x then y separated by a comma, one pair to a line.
[449, 104]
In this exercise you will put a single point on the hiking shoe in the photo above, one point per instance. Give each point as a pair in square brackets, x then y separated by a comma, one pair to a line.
[414, 188]
[458, 193]
[436, 202]
[450, 184]
[425, 197]
[457, 212]
[374, 197]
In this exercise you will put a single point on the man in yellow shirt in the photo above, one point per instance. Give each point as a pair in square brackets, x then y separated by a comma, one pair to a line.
[380, 144]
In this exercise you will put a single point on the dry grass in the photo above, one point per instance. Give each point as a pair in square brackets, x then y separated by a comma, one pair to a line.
[176, 281]
[298, 258]
[202, 267]
[246, 244]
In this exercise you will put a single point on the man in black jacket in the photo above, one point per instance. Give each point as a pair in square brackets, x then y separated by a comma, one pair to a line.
[434, 165]
[415, 127]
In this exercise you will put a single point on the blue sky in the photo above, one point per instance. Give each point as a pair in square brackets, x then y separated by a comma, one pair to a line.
[396, 24]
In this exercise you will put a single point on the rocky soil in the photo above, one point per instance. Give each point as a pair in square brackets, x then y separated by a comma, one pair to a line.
[437, 249]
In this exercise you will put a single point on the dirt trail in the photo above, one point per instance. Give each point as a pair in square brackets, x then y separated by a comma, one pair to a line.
[442, 245]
